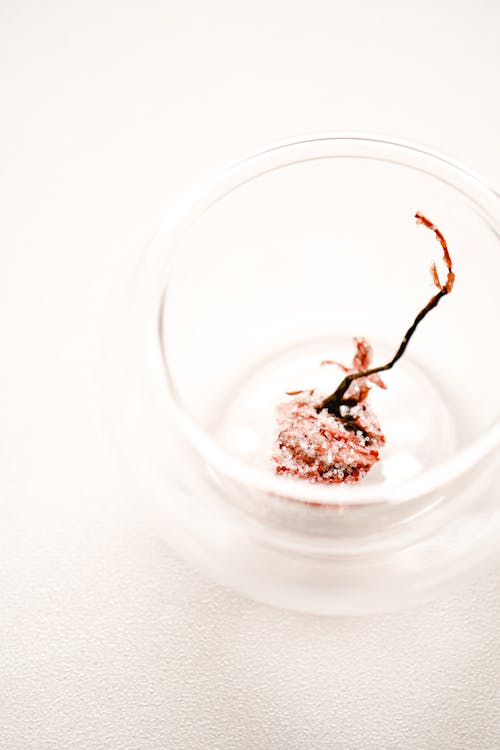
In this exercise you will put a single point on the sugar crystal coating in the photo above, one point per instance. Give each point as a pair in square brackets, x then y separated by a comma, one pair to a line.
[322, 447]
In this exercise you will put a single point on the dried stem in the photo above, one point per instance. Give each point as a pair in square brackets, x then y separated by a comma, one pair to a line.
[333, 402]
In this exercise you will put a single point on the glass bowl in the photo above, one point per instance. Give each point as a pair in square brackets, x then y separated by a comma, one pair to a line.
[270, 266]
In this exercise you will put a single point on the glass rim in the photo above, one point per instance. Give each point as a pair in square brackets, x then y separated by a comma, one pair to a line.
[221, 460]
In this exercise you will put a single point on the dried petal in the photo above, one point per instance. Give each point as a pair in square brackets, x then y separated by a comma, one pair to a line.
[322, 447]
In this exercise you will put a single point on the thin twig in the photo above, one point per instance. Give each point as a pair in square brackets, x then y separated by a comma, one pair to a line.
[333, 402]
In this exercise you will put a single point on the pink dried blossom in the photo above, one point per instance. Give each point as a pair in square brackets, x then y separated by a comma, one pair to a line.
[336, 439]
[322, 447]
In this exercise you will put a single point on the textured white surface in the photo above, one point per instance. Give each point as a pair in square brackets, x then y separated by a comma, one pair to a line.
[109, 109]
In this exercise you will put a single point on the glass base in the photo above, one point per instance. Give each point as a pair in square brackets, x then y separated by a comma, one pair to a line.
[250, 556]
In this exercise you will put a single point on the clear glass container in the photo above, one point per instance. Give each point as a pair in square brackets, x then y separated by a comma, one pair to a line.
[258, 274]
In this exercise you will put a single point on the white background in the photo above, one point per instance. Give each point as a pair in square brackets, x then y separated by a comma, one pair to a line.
[108, 110]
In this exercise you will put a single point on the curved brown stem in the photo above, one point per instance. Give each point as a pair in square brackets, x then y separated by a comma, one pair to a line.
[333, 402]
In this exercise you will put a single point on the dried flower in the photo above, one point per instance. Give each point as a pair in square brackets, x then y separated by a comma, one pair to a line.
[337, 438]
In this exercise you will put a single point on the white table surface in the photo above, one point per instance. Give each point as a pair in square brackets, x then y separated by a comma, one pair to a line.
[109, 109]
